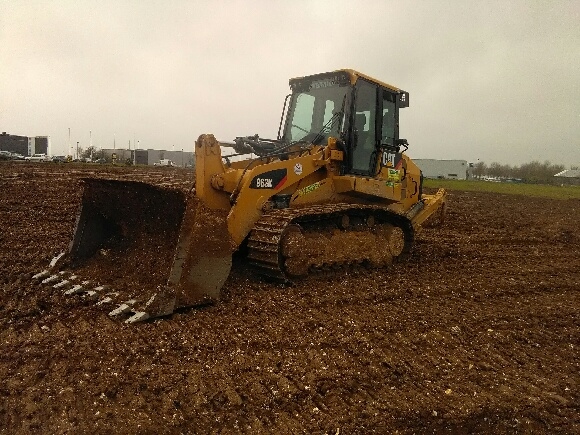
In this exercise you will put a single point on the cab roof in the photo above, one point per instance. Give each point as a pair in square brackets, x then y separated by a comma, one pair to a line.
[354, 76]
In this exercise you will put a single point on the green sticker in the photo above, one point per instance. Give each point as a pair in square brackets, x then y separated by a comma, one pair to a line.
[394, 175]
[310, 188]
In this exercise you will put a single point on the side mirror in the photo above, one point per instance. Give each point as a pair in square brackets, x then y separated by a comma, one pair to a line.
[402, 143]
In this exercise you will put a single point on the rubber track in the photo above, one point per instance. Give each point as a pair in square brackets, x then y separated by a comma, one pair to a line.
[264, 242]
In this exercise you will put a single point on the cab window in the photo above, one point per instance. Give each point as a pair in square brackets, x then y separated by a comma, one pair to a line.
[363, 139]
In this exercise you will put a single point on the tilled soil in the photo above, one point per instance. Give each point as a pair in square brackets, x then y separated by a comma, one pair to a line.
[477, 332]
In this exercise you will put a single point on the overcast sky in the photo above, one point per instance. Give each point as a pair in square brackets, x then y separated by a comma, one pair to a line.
[495, 81]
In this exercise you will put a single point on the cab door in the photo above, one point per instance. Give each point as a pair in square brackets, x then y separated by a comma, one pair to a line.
[364, 132]
[389, 131]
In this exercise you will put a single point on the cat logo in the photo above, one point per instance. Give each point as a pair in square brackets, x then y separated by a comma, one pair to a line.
[391, 159]
[388, 158]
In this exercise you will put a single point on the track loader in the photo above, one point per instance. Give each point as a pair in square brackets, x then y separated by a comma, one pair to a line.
[334, 189]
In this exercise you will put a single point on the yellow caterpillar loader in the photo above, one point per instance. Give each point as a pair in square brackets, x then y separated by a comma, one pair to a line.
[334, 189]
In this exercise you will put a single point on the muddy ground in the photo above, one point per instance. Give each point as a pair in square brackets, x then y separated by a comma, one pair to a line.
[478, 332]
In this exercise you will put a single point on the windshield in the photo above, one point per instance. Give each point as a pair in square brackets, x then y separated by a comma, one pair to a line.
[316, 113]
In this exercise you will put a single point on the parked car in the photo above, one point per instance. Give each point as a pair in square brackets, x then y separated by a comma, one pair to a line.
[164, 162]
[9, 155]
[37, 158]
[59, 159]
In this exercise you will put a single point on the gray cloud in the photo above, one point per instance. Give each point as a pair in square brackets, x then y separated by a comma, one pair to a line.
[488, 80]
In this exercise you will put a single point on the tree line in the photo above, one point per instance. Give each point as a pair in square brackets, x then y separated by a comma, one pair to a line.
[533, 172]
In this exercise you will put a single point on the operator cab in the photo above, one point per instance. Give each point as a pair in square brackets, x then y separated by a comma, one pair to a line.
[363, 113]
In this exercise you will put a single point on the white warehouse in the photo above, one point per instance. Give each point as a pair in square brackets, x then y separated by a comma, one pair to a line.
[453, 169]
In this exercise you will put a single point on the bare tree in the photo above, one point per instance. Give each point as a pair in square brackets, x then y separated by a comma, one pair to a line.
[494, 170]
[479, 169]
[93, 153]
[536, 172]
[532, 172]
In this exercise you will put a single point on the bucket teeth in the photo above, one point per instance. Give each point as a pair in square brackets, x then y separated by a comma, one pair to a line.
[105, 300]
[160, 304]
[74, 290]
[46, 272]
[64, 282]
[139, 316]
[125, 307]
[55, 260]
[61, 283]
[52, 278]
[42, 274]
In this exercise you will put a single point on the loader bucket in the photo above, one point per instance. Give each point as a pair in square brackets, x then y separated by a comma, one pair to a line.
[149, 243]
[203, 256]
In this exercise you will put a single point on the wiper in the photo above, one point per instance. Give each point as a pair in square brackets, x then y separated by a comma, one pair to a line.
[326, 128]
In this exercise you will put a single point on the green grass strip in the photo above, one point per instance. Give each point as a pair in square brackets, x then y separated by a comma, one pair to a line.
[540, 190]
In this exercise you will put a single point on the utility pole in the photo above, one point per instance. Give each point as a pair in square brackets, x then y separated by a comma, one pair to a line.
[69, 144]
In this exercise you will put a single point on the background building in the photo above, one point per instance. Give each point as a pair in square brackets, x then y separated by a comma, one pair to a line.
[453, 169]
[24, 145]
[184, 159]
[568, 176]
[39, 145]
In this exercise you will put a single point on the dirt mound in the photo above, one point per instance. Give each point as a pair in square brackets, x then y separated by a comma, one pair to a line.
[477, 332]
